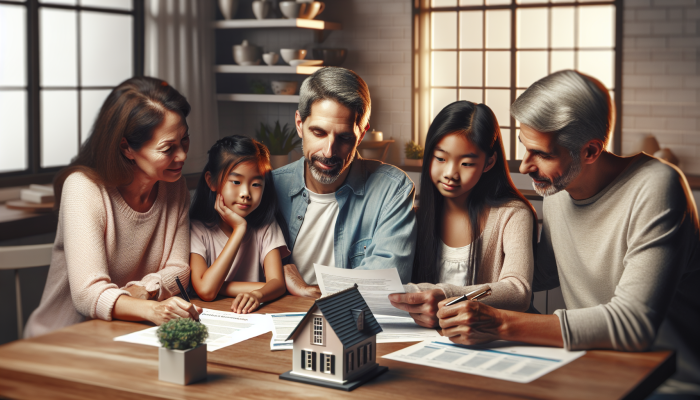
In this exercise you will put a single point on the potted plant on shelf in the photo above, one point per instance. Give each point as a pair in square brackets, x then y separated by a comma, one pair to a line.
[414, 154]
[280, 142]
[183, 357]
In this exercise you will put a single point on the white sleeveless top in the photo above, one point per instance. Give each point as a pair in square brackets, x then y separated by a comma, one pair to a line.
[454, 264]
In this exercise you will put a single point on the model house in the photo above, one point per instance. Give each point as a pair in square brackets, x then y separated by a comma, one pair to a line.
[336, 341]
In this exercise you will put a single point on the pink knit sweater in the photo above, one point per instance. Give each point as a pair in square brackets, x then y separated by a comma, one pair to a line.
[102, 246]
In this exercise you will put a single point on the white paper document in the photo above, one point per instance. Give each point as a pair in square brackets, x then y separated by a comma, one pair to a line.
[509, 361]
[375, 286]
[282, 326]
[395, 329]
[400, 329]
[225, 328]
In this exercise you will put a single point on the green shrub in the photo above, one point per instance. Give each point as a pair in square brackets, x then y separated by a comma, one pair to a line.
[414, 151]
[280, 141]
[182, 334]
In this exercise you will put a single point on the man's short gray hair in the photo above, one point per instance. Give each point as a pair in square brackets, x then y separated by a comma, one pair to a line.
[341, 85]
[576, 107]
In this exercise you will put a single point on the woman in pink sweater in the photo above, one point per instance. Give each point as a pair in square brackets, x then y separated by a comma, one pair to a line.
[123, 225]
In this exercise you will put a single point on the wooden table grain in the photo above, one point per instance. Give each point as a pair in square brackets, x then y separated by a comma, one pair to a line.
[84, 362]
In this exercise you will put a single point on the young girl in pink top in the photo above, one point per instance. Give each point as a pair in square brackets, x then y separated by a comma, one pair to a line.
[235, 240]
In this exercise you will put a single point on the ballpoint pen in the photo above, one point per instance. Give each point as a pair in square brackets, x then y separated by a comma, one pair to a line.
[183, 293]
[475, 295]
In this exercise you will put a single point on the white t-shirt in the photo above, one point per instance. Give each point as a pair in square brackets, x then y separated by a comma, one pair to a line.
[454, 264]
[314, 242]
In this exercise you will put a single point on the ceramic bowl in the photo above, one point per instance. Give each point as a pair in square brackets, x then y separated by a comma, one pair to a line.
[331, 57]
[311, 10]
[290, 9]
[271, 58]
[284, 87]
[292, 54]
[305, 63]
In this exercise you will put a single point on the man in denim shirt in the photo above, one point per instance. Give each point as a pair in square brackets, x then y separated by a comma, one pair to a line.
[341, 210]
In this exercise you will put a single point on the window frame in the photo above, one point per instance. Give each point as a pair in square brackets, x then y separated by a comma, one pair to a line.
[34, 173]
[318, 331]
[421, 66]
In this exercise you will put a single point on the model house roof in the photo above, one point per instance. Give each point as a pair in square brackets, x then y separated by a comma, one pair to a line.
[341, 310]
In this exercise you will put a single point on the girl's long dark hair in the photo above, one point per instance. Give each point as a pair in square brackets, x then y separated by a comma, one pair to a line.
[224, 156]
[478, 124]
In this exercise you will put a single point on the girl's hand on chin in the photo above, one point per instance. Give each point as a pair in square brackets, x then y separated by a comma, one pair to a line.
[233, 220]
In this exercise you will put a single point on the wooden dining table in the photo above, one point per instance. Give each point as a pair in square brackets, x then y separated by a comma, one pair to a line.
[84, 362]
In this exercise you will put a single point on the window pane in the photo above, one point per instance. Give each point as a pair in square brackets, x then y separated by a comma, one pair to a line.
[118, 4]
[444, 27]
[596, 26]
[65, 2]
[532, 65]
[598, 64]
[444, 3]
[13, 130]
[90, 104]
[59, 127]
[563, 27]
[471, 29]
[471, 2]
[440, 98]
[505, 136]
[497, 2]
[532, 28]
[498, 68]
[444, 68]
[498, 29]
[499, 101]
[471, 68]
[58, 47]
[520, 149]
[473, 95]
[562, 59]
[13, 45]
[106, 52]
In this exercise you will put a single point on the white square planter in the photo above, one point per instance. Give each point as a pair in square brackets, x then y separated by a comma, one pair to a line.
[182, 366]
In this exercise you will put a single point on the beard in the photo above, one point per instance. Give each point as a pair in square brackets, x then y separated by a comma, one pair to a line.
[326, 177]
[551, 186]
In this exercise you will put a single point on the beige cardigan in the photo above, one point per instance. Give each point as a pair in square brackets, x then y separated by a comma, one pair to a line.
[102, 246]
[507, 260]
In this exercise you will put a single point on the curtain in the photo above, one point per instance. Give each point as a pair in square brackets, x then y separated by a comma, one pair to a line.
[179, 48]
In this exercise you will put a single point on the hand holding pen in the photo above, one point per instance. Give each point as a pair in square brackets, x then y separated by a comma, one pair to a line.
[467, 320]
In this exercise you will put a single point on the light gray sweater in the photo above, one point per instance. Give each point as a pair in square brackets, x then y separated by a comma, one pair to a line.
[628, 262]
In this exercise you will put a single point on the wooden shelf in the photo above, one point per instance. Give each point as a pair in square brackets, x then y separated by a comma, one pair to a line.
[265, 69]
[258, 98]
[277, 23]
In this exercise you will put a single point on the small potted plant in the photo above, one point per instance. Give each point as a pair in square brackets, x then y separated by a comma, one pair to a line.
[280, 142]
[414, 154]
[183, 357]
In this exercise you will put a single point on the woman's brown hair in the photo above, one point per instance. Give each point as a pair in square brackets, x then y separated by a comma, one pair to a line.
[132, 111]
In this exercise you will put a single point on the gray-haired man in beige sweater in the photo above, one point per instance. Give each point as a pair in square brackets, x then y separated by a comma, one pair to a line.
[620, 237]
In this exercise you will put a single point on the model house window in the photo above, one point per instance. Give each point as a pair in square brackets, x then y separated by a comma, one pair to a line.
[309, 360]
[349, 361]
[490, 51]
[59, 59]
[328, 364]
[318, 330]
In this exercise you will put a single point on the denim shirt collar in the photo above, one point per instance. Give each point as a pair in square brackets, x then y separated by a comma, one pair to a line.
[355, 180]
